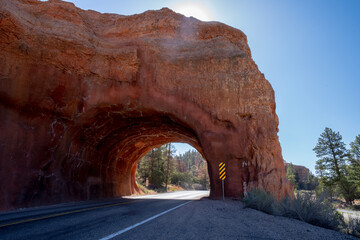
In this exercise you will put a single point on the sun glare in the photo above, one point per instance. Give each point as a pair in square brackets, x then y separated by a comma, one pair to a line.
[193, 10]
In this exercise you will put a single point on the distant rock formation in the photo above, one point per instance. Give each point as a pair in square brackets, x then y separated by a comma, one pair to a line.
[303, 173]
[84, 95]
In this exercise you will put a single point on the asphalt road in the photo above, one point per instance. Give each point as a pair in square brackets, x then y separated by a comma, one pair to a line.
[178, 215]
[349, 214]
[93, 219]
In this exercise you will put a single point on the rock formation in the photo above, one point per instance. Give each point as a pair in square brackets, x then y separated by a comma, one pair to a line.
[84, 96]
[303, 173]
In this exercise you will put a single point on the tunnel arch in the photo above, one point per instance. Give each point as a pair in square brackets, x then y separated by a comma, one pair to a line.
[103, 153]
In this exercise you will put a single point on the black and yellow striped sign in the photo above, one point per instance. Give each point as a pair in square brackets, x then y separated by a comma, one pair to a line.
[222, 172]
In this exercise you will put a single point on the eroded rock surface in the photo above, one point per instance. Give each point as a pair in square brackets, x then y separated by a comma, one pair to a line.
[84, 96]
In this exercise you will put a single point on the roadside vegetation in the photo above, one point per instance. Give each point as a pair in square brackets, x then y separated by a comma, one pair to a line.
[307, 207]
[337, 170]
[354, 227]
[337, 185]
[160, 170]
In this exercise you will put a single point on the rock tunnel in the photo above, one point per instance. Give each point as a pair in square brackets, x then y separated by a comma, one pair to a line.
[105, 152]
[84, 95]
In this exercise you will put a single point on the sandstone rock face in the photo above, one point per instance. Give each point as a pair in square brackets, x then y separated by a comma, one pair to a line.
[84, 96]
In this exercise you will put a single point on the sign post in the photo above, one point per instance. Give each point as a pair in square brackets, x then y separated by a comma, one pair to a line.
[222, 176]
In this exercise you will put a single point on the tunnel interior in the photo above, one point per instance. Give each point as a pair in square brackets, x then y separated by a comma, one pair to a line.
[98, 155]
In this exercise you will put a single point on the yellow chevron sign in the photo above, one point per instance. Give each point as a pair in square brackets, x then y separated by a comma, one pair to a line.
[222, 172]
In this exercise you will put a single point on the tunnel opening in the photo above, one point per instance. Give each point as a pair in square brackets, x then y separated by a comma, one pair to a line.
[172, 167]
[99, 155]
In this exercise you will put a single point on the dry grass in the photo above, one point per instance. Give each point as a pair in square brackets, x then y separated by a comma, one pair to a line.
[173, 188]
[315, 210]
[145, 190]
[305, 207]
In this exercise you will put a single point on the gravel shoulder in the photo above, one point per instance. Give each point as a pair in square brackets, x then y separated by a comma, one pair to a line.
[209, 219]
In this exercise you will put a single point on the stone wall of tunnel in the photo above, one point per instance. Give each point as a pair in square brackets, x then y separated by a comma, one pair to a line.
[84, 95]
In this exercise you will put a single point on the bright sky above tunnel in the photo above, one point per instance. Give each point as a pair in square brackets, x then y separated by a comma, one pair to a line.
[308, 50]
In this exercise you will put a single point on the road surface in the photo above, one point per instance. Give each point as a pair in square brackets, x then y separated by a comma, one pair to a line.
[349, 213]
[92, 219]
[178, 215]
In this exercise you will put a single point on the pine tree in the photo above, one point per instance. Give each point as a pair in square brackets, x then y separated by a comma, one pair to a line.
[170, 150]
[331, 165]
[157, 177]
[332, 155]
[152, 167]
[291, 175]
[354, 168]
[355, 149]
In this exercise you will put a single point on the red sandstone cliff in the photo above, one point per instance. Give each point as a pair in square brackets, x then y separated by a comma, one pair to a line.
[84, 96]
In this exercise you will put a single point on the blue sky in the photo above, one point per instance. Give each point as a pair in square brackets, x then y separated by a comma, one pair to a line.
[308, 50]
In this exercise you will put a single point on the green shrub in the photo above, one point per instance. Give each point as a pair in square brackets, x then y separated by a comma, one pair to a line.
[354, 226]
[197, 186]
[182, 179]
[157, 179]
[263, 201]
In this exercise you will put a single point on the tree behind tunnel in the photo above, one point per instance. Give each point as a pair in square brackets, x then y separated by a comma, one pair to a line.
[161, 167]
[157, 166]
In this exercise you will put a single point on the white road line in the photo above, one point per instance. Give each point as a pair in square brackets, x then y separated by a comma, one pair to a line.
[142, 222]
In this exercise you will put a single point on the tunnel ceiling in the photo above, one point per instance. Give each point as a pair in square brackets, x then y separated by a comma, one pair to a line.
[84, 95]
